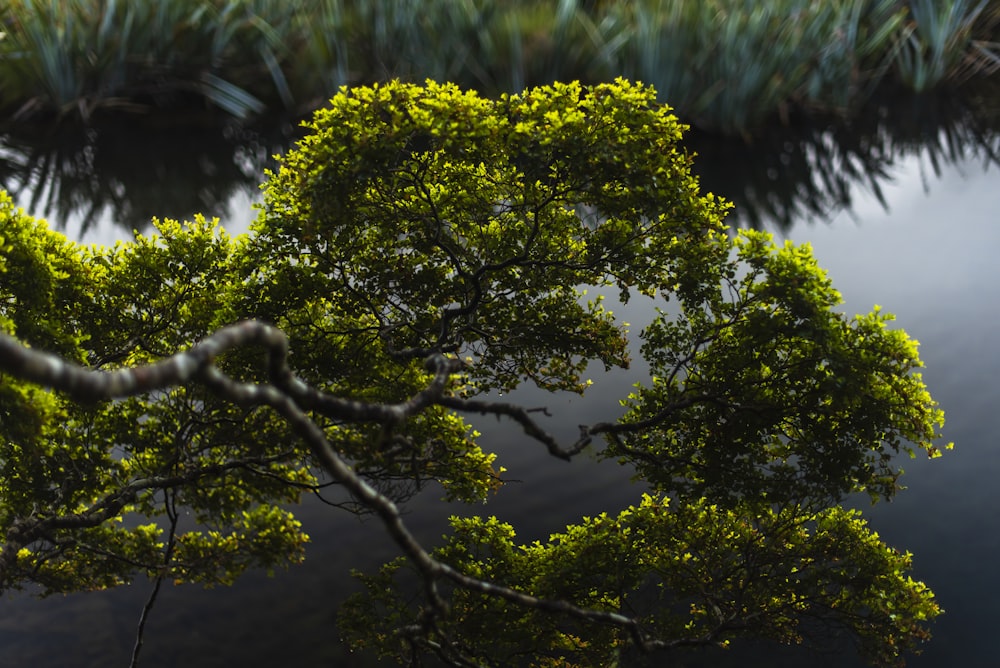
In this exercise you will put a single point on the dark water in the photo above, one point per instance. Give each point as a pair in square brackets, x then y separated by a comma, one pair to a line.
[922, 244]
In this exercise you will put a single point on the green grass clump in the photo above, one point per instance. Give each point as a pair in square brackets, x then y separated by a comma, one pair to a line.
[728, 65]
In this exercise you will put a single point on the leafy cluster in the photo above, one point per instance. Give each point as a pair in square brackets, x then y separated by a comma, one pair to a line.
[421, 248]
[761, 390]
[76, 477]
[696, 573]
[483, 216]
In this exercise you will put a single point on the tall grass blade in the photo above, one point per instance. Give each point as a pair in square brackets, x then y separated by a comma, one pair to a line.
[229, 97]
[938, 40]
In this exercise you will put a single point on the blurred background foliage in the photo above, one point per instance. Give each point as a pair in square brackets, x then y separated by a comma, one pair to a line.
[726, 65]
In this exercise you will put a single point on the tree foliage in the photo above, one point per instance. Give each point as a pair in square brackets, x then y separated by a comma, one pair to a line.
[422, 250]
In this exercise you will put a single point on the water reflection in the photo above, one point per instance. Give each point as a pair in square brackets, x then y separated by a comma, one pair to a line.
[804, 171]
[129, 172]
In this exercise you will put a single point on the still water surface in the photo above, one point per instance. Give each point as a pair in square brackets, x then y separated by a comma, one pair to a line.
[929, 256]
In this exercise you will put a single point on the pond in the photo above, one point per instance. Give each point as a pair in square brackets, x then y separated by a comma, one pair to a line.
[914, 229]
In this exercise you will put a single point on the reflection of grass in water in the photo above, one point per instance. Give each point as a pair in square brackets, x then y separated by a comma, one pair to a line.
[727, 64]
[813, 171]
[129, 174]
[784, 174]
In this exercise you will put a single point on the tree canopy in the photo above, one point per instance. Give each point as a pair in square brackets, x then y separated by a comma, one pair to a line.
[422, 251]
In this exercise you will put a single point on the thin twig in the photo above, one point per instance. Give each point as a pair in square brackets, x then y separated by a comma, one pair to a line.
[171, 510]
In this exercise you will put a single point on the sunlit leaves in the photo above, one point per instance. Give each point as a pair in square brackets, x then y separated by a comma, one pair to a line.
[694, 572]
[761, 390]
[84, 561]
[446, 221]
[44, 283]
[159, 292]
[71, 473]
[264, 536]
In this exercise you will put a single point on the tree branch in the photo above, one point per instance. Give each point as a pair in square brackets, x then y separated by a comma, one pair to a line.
[284, 395]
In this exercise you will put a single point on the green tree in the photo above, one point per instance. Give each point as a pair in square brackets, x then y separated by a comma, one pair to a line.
[420, 252]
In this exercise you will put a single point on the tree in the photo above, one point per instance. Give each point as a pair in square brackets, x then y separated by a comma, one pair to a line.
[421, 251]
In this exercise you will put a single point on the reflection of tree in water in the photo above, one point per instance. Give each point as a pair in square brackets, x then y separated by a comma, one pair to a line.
[131, 172]
[809, 171]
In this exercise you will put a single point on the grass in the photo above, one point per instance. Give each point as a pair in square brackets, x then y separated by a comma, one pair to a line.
[938, 41]
[728, 65]
[63, 56]
[735, 64]
[811, 172]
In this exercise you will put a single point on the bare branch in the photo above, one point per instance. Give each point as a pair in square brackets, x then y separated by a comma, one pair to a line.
[169, 503]
[283, 396]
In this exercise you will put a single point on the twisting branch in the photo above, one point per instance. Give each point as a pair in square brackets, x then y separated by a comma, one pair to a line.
[290, 397]
[89, 385]
[518, 414]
